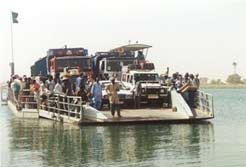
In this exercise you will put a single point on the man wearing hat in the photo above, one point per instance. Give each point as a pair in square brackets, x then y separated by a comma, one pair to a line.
[112, 90]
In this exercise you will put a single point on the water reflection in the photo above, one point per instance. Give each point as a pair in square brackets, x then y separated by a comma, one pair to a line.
[54, 144]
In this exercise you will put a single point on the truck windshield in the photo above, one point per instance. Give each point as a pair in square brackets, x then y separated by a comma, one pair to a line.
[116, 65]
[146, 77]
[113, 66]
[83, 64]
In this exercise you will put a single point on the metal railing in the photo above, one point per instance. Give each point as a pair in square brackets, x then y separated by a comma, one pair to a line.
[24, 99]
[205, 102]
[55, 103]
[70, 106]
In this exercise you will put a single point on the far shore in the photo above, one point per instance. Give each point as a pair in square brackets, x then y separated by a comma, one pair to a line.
[224, 86]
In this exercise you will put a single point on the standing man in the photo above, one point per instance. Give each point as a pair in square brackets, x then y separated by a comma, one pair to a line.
[96, 92]
[197, 81]
[50, 84]
[78, 83]
[112, 90]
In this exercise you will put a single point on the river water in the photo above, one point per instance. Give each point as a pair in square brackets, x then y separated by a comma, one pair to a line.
[218, 143]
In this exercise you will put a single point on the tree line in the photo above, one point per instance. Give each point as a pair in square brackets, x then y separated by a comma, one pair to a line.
[233, 79]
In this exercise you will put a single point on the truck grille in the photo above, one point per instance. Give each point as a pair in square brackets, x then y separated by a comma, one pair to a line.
[121, 96]
[152, 91]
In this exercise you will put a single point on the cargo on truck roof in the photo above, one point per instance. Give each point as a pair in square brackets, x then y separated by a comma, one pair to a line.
[131, 48]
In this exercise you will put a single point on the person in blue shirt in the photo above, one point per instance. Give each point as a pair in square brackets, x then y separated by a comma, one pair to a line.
[96, 92]
[78, 83]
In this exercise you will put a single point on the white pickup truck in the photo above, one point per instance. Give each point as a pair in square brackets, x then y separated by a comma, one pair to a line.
[146, 87]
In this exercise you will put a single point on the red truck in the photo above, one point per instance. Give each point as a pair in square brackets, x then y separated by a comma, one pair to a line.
[59, 59]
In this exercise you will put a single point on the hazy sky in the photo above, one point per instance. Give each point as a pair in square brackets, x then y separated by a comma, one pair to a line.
[200, 36]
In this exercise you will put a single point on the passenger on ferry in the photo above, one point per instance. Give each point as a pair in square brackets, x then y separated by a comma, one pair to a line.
[192, 91]
[197, 81]
[112, 90]
[187, 78]
[67, 90]
[35, 90]
[167, 80]
[67, 86]
[188, 89]
[23, 93]
[179, 82]
[77, 83]
[82, 93]
[58, 87]
[96, 93]
[174, 79]
[16, 86]
[50, 84]
[43, 92]
[80, 82]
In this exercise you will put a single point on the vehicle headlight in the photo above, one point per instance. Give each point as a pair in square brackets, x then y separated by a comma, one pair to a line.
[162, 90]
[143, 90]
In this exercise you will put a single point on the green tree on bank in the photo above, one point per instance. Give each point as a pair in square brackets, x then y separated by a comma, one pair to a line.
[234, 79]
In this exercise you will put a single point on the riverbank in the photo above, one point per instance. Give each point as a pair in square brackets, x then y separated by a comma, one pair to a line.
[231, 86]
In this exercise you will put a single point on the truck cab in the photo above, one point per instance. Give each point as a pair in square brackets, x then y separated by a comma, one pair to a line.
[112, 66]
[111, 63]
[81, 63]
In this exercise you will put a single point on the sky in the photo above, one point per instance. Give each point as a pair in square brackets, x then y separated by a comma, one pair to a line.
[196, 36]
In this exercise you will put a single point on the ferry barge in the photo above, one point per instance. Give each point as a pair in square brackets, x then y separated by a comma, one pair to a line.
[72, 109]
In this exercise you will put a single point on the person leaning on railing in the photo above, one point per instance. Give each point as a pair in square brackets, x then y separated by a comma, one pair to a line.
[189, 89]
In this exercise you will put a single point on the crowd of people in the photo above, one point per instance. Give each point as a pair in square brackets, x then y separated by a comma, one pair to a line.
[90, 89]
[186, 84]
[86, 87]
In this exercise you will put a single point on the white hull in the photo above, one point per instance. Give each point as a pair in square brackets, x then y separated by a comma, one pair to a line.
[24, 113]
